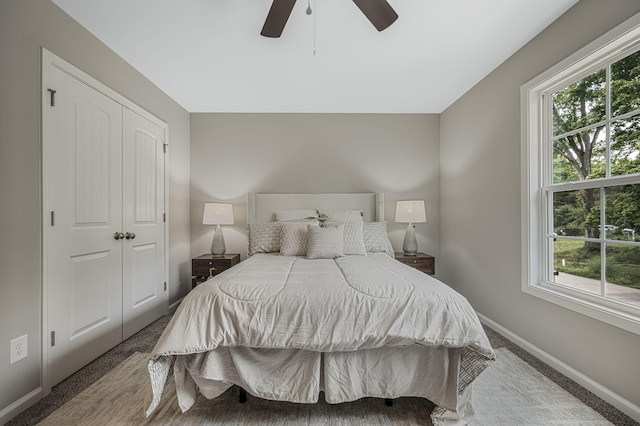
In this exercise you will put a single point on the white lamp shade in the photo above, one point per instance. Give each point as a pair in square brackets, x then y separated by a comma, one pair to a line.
[410, 211]
[217, 214]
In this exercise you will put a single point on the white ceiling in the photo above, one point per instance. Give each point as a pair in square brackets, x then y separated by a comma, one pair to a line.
[208, 55]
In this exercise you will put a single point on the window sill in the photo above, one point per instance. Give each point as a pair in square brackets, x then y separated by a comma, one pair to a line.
[601, 309]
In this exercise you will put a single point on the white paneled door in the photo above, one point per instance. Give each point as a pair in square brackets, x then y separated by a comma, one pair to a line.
[143, 222]
[103, 226]
[83, 182]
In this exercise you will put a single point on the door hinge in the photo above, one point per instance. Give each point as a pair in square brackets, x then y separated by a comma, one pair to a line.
[53, 338]
[53, 96]
[164, 217]
[165, 286]
[164, 147]
[53, 218]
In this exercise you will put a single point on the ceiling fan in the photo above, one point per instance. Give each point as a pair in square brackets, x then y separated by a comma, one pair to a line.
[379, 12]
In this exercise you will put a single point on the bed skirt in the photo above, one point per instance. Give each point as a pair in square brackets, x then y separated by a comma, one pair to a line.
[298, 376]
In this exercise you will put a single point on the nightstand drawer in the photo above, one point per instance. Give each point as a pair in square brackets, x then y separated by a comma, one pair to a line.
[209, 267]
[422, 262]
[202, 267]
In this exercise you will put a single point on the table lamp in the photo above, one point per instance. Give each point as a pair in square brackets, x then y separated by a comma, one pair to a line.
[218, 214]
[410, 212]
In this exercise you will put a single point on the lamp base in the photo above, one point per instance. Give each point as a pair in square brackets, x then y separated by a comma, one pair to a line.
[410, 245]
[218, 247]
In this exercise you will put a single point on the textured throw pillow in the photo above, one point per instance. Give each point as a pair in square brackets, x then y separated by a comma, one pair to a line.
[264, 237]
[353, 237]
[325, 243]
[296, 214]
[342, 215]
[294, 238]
[376, 239]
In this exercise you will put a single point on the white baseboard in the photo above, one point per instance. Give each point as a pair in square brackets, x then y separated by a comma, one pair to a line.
[622, 404]
[174, 305]
[20, 405]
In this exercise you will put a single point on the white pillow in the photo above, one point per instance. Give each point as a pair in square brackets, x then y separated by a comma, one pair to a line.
[294, 238]
[376, 238]
[296, 214]
[353, 237]
[326, 243]
[264, 237]
[342, 215]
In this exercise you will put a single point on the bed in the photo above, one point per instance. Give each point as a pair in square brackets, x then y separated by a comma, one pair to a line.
[321, 306]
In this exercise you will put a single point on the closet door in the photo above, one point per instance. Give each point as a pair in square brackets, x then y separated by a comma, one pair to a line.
[82, 169]
[144, 295]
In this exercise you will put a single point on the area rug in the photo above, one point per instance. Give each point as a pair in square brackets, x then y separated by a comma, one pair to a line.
[510, 392]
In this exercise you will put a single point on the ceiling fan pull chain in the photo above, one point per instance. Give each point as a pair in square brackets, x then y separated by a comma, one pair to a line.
[314, 28]
[309, 12]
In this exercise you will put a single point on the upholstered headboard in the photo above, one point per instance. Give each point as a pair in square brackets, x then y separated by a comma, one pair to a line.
[260, 207]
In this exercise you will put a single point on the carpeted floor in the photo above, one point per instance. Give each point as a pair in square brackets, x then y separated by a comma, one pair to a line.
[145, 340]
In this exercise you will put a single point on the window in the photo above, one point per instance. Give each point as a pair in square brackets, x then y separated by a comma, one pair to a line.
[581, 180]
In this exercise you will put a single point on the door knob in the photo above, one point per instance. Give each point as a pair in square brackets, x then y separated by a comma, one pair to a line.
[118, 236]
[129, 235]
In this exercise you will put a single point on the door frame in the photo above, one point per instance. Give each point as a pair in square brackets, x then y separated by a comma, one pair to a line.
[49, 59]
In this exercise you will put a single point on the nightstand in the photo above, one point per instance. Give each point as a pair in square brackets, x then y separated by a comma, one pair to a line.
[422, 262]
[206, 265]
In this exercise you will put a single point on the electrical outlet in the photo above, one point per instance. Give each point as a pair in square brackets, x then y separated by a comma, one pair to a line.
[18, 348]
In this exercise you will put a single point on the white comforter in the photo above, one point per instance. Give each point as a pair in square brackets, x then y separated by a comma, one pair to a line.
[293, 309]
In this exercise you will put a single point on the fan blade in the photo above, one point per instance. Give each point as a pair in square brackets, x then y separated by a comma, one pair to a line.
[379, 12]
[277, 18]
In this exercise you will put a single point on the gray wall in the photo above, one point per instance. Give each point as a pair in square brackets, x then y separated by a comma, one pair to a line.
[464, 164]
[480, 207]
[234, 154]
[26, 25]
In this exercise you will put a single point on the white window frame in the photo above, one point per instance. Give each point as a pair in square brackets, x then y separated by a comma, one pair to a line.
[618, 42]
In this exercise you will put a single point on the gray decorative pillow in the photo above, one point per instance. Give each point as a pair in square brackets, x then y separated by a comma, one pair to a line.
[325, 243]
[376, 239]
[353, 237]
[294, 238]
[264, 237]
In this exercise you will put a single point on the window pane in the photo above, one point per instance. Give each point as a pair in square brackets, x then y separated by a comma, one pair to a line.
[577, 213]
[580, 104]
[580, 156]
[625, 146]
[625, 85]
[622, 212]
[623, 273]
[577, 264]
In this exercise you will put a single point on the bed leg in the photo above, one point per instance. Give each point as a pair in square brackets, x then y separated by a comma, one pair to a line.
[243, 396]
[388, 402]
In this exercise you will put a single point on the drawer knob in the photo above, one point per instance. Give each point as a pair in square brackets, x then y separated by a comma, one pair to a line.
[415, 261]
